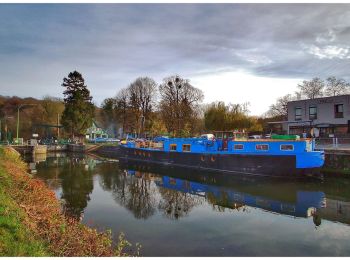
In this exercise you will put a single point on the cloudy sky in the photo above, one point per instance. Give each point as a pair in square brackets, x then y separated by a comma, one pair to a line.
[233, 52]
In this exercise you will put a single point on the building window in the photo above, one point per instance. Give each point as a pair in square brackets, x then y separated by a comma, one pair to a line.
[287, 147]
[186, 148]
[313, 112]
[262, 147]
[338, 111]
[238, 147]
[173, 147]
[297, 113]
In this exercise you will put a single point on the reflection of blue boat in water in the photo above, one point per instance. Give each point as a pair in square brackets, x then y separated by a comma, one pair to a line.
[306, 204]
[294, 199]
[230, 153]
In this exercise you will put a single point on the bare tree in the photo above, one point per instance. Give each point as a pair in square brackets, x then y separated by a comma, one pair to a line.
[335, 87]
[121, 107]
[279, 109]
[179, 102]
[313, 88]
[142, 98]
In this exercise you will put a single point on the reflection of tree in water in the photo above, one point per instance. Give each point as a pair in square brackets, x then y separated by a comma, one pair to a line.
[222, 202]
[77, 184]
[50, 172]
[139, 199]
[175, 204]
[134, 193]
[137, 193]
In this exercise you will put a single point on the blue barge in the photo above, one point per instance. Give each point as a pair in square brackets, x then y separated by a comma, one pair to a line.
[232, 153]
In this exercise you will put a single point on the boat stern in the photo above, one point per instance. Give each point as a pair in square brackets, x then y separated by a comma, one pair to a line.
[309, 160]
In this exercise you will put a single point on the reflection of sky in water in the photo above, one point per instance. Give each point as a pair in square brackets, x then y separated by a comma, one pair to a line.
[207, 232]
[170, 222]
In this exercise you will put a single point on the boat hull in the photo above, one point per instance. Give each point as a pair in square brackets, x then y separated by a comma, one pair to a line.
[262, 165]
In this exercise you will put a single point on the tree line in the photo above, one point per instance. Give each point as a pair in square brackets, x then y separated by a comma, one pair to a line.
[173, 107]
[34, 115]
[146, 107]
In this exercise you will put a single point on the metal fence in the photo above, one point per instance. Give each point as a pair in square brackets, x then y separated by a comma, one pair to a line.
[334, 142]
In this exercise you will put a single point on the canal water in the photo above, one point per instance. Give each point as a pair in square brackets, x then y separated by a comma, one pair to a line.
[188, 213]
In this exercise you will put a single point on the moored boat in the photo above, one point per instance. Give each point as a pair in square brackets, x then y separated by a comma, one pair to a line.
[231, 152]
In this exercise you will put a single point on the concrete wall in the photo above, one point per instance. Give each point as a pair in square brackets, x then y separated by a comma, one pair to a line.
[108, 151]
[336, 210]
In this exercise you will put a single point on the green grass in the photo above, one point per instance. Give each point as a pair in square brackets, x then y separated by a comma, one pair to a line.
[31, 223]
[15, 238]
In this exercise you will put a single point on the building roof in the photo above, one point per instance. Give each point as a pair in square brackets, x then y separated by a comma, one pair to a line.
[292, 122]
[320, 98]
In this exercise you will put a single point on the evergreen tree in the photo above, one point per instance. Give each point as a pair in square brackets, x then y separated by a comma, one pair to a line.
[79, 109]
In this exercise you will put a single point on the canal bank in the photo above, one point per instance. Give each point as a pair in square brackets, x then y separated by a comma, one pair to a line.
[43, 149]
[337, 162]
[32, 223]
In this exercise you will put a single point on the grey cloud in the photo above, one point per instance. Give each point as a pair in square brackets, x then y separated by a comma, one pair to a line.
[111, 44]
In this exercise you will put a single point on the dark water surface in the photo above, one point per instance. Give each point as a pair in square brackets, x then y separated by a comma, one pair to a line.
[188, 213]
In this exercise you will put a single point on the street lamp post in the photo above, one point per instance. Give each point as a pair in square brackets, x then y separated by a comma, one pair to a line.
[19, 107]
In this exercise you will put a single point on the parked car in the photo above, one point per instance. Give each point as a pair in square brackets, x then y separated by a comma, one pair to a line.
[104, 140]
[255, 137]
[113, 140]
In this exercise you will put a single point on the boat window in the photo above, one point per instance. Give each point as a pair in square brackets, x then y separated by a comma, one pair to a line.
[186, 148]
[238, 147]
[173, 147]
[262, 147]
[287, 147]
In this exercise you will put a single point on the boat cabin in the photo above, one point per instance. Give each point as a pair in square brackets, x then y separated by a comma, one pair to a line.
[224, 137]
[229, 135]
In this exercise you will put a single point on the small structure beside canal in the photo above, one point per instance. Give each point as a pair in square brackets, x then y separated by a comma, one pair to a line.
[95, 131]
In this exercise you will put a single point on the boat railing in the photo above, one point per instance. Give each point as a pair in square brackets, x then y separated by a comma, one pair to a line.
[271, 140]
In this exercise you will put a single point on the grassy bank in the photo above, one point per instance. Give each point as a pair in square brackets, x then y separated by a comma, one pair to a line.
[15, 237]
[31, 222]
